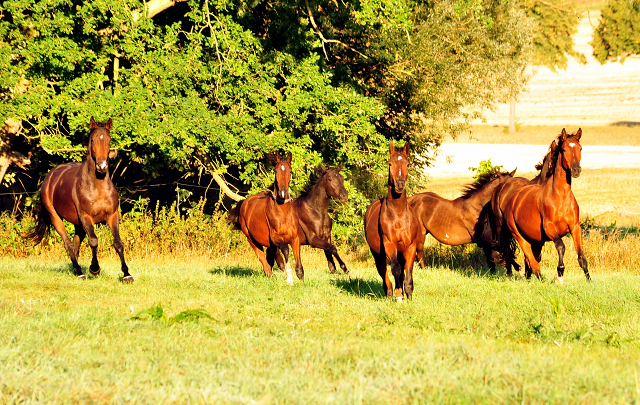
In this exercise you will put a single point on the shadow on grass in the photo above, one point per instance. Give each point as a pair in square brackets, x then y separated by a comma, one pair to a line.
[359, 287]
[66, 268]
[235, 271]
[467, 260]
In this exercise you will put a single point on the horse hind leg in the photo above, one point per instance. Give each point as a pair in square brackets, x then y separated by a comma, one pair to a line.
[381, 265]
[274, 256]
[58, 225]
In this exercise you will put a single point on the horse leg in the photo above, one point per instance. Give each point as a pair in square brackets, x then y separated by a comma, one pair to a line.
[287, 266]
[78, 237]
[576, 233]
[329, 251]
[420, 248]
[114, 224]
[488, 254]
[409, 258]
[330, 262]
[87, 225]
[295, 246]
[381, 266]
[557, 240]
[396, 269]
[273, 255]
[530, 256]
[57, 223]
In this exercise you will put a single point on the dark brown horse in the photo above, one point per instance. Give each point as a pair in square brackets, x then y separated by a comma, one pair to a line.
[312, 207]
[268, 219]
[460, 221]
[392, 228]
[546, 212]
[501, 196]
[84, 195]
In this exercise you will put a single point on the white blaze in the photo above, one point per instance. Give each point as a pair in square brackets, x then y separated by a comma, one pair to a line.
[282, 168]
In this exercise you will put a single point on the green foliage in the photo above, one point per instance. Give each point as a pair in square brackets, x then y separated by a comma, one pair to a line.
[617, 35]
[485, 166]
[557, 22]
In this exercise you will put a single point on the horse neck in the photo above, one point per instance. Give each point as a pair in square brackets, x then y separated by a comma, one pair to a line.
[483, 195]
[397, 201]
[560, 180]
[317, 196]
[89, 169]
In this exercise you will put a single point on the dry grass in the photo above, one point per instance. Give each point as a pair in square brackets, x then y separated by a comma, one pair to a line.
[543, 135]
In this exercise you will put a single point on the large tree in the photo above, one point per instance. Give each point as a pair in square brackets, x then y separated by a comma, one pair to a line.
[618, 33]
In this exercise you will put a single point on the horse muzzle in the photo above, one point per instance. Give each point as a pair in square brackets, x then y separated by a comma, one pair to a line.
[575, 171]
[101, 167]
[343, 197]
[399, 185]
[283, 194]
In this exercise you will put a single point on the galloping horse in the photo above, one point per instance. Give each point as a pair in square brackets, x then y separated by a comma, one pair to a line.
[546, 212]
[84, 195]
[392, 228]
[269, 219]
[460, 221]
[312, 207]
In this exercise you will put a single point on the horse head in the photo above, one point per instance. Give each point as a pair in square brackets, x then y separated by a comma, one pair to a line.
[334, 183]
[99, 144]
[283, 174]
[571, 152]
[398, 167]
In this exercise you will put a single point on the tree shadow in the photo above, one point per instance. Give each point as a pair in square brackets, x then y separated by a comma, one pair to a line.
[235, 271]
[360, 287]
[467, 260]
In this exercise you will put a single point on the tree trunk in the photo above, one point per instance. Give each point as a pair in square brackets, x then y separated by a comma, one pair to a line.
[512, 116]
[155, 7]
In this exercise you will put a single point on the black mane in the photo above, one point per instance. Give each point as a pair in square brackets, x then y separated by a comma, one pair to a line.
[316, 175]
[482, 180]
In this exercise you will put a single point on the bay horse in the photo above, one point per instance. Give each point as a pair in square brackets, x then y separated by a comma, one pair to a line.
[312, 207]
[547, 212]
[501, 197]
[460, 221]
[83, 194]
[392, 229]
[268, 219]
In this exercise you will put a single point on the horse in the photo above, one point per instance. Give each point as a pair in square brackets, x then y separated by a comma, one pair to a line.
[460, 221]
[392, 229]
[83, 194]
[268, 219]
[312, 207]
[501, 196]
[546, 212]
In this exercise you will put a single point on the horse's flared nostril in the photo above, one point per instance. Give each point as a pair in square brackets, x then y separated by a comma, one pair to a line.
[575, 171]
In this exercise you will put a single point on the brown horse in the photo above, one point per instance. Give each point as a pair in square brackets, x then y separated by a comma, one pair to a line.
[546, 212]
[392, 228]
[312, 207]
[84, 195]
[268, 219]
[460, 221]
[501, 196]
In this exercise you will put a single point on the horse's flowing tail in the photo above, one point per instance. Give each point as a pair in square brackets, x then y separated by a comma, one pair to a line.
[233, 217]
[40, 230]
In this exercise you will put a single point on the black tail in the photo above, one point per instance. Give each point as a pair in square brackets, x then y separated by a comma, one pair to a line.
[42, 227]
[233, 217]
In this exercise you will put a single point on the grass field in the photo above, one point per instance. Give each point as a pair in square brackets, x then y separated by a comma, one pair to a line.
[465, 338]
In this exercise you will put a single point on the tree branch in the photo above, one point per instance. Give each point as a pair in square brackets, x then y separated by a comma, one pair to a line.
[154, 7]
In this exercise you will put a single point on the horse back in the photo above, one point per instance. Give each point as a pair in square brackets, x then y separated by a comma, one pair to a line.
[58, 189]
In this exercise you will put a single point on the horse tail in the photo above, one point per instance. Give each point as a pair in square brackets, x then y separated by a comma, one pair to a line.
[233, 217]
[507, 246]
[42, 227]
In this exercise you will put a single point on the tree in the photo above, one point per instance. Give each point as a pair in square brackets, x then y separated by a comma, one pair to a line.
[617, 36]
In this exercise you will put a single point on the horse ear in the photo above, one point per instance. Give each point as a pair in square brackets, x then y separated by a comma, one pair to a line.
[579, 134]
[339, 167]
[108, 124]
[93, 124]
[288, 158]
[513, 172]
[406, 148]
[563, 134]
[392, 148]
[113, 153]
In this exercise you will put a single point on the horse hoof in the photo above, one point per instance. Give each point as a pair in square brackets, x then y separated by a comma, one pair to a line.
[127, 279]
[82, 277]
[94, 273]
[559, 280]
[399, 299]
[289, 282]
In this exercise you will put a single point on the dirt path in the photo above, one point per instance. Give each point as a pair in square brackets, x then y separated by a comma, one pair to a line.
[582, 95]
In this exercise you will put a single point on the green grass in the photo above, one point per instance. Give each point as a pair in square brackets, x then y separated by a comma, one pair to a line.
[465, 338]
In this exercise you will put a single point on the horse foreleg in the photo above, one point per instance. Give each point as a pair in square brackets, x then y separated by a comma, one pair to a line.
[576, 233]
[274, 256]
[409, 260]
[87, 225]
[58, 225]
[396, 269]
[330, 250]
[420, 248]
[114, 224]
[284, 247]
[557, 240]
[295, 246]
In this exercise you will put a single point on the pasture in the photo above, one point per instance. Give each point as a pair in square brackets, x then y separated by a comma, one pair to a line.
[202, 324]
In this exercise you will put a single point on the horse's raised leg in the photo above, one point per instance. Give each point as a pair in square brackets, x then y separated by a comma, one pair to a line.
[330, 262]
[576, 233]
[114, 224]
[381, 266]
[284, 247]
[58, 225]
[330, 250]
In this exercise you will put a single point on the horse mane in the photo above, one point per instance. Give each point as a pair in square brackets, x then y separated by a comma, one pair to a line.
[315, 177]
[470, 189]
